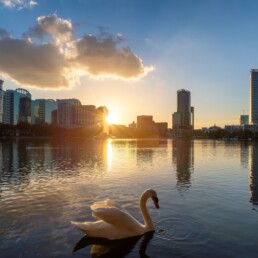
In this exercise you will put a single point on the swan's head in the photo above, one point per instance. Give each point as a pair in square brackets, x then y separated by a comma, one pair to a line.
[154, 197]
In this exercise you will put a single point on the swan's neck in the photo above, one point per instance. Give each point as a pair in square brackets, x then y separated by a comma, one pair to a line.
[145, 214]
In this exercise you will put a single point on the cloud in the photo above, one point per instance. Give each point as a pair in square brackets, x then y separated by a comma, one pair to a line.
[18, 4]
[60, 30]
[30, 61]
[3, 33]
[102, 57]
[33, 65]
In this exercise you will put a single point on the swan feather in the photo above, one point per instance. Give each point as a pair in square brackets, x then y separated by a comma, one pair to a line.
[105, 204]
[116, 217]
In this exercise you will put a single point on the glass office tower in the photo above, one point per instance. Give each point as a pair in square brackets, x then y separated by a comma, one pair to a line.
[183, 119]
[254, 96]
[184, 106]
[17, 106]
[1, 101]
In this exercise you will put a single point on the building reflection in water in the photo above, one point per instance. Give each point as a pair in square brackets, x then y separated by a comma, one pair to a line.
[22, 159]
[183, 159]
[253, 176]
[9, 164]
[245, 155]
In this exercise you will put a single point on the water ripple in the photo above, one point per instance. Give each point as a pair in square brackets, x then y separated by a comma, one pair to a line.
[180, 229]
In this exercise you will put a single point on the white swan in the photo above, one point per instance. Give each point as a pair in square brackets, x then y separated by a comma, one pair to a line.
[115, 222]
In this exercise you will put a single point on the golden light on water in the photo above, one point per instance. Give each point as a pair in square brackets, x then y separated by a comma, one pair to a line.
[109, 154]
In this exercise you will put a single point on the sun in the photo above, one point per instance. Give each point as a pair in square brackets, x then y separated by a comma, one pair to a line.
[112, 118]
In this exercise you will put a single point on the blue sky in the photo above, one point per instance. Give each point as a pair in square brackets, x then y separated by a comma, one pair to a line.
[206, 47]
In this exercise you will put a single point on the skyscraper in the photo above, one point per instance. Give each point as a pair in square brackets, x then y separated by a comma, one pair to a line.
[1, 101]
[183, 119]
[184, 106]
[254, 96]
[41, 111]
[17, 106]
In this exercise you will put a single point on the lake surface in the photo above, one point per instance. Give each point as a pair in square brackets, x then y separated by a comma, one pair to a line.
[208, 192]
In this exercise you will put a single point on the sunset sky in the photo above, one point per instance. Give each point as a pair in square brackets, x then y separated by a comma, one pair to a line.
[133, 55]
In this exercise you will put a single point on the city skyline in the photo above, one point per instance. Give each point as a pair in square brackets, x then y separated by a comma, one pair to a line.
[151, 50]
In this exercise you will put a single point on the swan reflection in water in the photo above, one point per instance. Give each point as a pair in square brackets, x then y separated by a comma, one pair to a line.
[102, 247]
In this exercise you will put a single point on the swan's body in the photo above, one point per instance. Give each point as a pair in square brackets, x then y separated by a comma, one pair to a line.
[115, 222]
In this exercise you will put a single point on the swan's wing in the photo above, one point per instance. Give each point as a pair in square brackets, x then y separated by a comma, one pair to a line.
[116, 217]
[108, 203]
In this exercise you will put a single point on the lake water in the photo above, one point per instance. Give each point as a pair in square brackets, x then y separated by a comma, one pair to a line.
[208, 192]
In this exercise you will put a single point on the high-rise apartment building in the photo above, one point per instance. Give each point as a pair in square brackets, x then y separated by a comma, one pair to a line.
[71, 113]
[84, 115]
[254, 96]
[41, 111]
[17, 106]
[183, 119]
[65, 111]
[35, 112]
[1, 101]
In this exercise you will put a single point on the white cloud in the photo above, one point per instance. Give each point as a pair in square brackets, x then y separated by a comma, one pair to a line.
[18, 4]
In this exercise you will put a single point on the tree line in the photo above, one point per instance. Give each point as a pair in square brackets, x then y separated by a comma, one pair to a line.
[117, 131]
[225, 134]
